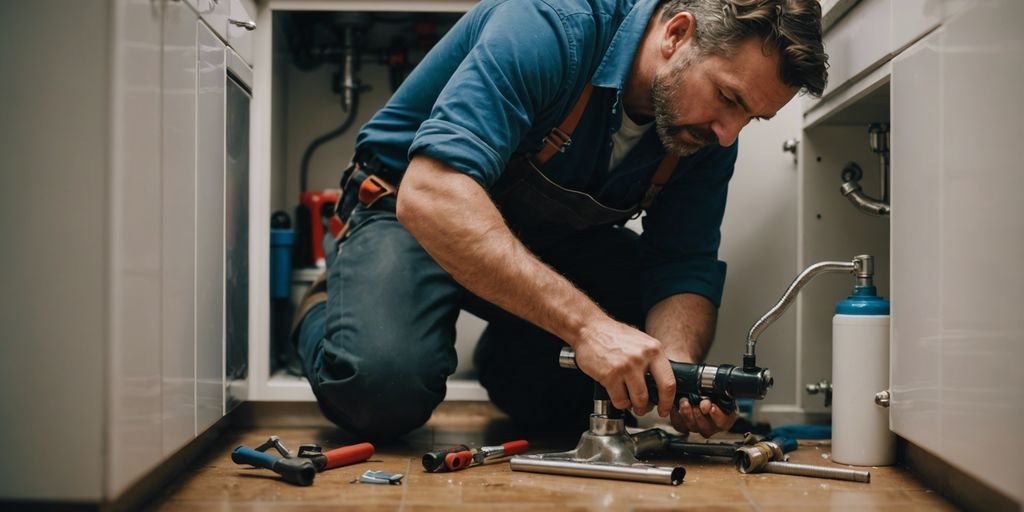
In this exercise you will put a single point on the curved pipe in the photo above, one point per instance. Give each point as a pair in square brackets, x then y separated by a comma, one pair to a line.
[853, 192]
[863, 265]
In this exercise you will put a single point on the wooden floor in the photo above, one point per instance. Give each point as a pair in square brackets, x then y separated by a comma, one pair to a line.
[215, 483]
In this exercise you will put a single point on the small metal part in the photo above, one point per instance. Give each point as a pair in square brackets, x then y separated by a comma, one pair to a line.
[883, 398]
[567, 358]
[604, 426]
[247, 25]
[380, 477]
[755, 456]
[824, 387]
[707, 379]
[790, 146]
[309, 450]
[275, 443]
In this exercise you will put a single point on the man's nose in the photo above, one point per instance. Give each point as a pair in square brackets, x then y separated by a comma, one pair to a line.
[728, 127]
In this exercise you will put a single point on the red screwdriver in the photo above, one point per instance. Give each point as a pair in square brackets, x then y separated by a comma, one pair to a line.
[337, 457]
[466, 458]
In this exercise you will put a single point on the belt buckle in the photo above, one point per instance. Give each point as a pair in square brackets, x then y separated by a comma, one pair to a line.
[373, 188]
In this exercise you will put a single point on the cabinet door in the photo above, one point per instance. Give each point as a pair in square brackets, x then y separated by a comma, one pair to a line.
[958, 242]
[179, 226]
[214, 13]
[236, 256]
[240, 34]
[134, 437]
[210, 231]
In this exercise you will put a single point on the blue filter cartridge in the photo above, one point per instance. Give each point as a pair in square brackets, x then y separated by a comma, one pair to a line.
[281, 243]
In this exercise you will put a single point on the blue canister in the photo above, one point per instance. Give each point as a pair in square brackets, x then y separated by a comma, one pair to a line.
[281, 243]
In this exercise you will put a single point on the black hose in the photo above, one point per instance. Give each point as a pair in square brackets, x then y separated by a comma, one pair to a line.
[323, 139]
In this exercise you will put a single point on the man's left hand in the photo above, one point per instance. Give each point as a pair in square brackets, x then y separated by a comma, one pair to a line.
[706, 419]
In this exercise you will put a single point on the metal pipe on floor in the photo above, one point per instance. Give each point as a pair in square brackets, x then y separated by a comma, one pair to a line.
[638, 473]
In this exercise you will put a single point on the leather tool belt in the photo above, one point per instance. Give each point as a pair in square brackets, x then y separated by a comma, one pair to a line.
[367, 182]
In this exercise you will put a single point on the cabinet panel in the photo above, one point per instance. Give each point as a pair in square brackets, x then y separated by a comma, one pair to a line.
[857, 43]
[982, 241]
[54, 213]
[966, 328]
[179, 226]
[241, 38]
[210, 231]
[135, 435]
[916, 315]
[236, 215]
[911, 19]
[214, 13]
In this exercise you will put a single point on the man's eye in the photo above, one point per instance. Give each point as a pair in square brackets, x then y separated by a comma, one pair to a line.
[725, 99]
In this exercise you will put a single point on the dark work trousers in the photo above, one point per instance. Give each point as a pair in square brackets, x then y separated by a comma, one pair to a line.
[379, 351]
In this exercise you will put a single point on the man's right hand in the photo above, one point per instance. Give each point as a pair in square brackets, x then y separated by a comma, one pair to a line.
[618, 356]
[456, 222]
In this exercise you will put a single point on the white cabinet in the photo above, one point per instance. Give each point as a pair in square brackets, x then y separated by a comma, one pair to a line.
[958, 240]
[215, 13]
[241, 25]
[912, 19]
[117, 294]
[210, 230]
[134, 437]
[178, 207]
[54, 307]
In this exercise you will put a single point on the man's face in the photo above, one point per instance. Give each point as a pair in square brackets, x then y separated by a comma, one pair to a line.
[699, 100]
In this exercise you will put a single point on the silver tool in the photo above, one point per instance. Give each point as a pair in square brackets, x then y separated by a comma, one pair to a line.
[606, 451]
[380, 477]
[765, 457]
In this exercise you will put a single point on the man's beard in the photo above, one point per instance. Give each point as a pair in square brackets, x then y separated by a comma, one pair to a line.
[665, 114]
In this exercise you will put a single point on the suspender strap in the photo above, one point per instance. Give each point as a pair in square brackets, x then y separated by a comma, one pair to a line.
[560, 137]
[660, 178]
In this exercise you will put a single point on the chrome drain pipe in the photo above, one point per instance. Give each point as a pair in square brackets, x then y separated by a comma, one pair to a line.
[635, 473]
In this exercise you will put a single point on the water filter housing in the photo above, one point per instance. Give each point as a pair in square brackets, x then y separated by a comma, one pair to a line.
[860, 368]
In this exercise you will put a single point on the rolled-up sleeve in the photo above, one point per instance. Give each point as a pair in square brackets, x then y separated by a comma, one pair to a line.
[517, 63]
[682, 231]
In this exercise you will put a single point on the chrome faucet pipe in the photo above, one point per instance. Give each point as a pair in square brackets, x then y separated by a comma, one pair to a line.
[863, 266]
[856, 195]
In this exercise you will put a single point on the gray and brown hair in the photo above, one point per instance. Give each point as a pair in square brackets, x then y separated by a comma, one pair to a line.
[791, 27]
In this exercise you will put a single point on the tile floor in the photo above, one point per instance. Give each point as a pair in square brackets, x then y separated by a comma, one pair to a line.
[215, 483]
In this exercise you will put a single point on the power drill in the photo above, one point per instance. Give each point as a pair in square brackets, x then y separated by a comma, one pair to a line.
[722, 384]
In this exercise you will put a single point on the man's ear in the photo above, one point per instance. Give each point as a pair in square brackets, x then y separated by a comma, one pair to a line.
[679, 30]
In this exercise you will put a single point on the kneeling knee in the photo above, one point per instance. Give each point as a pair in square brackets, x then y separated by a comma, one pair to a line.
[380, 407]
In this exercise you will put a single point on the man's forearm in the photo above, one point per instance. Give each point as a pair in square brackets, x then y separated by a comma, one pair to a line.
[453, 218]
[685, 325]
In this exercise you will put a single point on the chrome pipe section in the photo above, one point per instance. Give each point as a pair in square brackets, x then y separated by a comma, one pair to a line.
[633, 473]
[878, 140]
[788, 468]
[862, 265]
[853, 192]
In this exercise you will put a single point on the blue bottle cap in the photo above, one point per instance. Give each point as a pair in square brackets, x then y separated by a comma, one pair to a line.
[864, 301]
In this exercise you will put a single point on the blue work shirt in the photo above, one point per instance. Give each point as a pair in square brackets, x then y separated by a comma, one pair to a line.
[508, 72]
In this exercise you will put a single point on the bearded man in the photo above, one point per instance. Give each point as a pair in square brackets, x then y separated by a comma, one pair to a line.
[498, 178]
